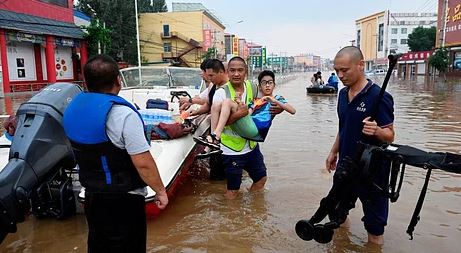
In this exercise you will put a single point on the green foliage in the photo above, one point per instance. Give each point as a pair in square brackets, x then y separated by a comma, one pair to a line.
[422, 39]
[210, 54]
[439, 60]
[96, 33]
[157, 6]
[119, 18]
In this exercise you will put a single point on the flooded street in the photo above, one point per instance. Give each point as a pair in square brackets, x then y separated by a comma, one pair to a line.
[200, 219]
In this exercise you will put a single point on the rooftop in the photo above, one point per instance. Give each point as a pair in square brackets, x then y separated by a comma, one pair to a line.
[37, 25]
[179, 7]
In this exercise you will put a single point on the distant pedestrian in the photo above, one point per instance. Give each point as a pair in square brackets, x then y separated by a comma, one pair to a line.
[333, 81]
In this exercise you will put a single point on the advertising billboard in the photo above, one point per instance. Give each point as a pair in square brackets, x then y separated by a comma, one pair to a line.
[453, 22]
[235, 46]
[206, 39]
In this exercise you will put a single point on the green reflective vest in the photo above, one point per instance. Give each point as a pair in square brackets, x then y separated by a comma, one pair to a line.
[229, 138]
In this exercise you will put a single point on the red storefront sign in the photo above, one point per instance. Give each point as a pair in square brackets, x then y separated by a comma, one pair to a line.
[416, 56]
[206, 39]
[453, 22]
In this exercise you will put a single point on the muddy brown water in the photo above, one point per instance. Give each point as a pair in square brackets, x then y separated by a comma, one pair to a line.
[200, 219]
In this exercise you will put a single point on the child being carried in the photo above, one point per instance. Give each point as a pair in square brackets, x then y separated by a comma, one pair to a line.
[256, 124]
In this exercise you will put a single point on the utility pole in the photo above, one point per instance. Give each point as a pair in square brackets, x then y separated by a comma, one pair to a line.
[215, 50]
[137, 41]
[445, 14]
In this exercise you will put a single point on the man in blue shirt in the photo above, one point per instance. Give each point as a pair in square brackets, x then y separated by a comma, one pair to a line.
[333, 81]
[355, 104]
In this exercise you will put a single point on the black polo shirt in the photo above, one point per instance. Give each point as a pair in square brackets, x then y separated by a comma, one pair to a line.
[352, 113]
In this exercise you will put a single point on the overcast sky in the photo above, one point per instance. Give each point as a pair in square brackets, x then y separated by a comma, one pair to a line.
[302, 26]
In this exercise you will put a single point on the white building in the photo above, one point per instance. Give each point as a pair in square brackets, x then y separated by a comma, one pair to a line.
[383, 33]
[403, 24]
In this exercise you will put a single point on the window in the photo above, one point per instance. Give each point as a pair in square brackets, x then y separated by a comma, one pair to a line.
[403, 41]
[62, 3]
[394, 30]
[380, 37]
[393, 41]
[166, 30]
[403, 30]
[167, 47]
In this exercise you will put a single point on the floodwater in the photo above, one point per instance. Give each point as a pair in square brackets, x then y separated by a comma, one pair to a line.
[200, 219]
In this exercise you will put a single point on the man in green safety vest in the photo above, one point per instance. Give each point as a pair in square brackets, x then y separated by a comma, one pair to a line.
[239, 153]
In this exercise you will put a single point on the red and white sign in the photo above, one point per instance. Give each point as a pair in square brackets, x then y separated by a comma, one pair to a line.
[206, 39]
[416, 56]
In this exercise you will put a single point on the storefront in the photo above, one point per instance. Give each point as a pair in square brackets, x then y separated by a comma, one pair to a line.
[20, 56]
[36, 54]
[414, 63]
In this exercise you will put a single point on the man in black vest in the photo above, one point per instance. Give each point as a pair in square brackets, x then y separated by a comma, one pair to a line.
[115, 165]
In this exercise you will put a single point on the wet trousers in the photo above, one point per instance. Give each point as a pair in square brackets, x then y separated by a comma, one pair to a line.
[116, 222]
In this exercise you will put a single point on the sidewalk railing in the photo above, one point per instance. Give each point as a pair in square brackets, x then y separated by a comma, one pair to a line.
[23, 87]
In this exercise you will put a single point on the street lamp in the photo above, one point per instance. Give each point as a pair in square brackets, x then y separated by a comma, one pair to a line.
[236, 23]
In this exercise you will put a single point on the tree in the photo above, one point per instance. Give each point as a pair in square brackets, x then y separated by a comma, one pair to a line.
[148, 7]
[439, 60]
[118, 16]
[210, 54]
[422, 39]
[159, 6]
[96, 35]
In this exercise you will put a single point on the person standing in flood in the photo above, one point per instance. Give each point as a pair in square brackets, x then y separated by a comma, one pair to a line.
[355, 103]
[115, 165]
[238, 153]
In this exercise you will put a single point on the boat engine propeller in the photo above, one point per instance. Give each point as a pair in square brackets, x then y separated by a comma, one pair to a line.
[39, 154]
[360, 170]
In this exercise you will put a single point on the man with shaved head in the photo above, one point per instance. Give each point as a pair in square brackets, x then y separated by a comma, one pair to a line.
[355, 102]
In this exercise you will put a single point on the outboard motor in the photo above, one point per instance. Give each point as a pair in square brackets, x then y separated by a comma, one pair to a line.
[39, 152]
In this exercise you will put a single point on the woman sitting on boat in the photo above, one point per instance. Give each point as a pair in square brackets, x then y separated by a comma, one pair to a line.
[316, 80]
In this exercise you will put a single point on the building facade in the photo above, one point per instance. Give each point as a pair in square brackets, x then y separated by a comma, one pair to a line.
[228, 44]
[371, 37]
[243, 49]
[385, 33]
[181, 37]
[449, 32]
[403, 24]
[414, 63]
[39, 44]
[307, 62]
[257, 56]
